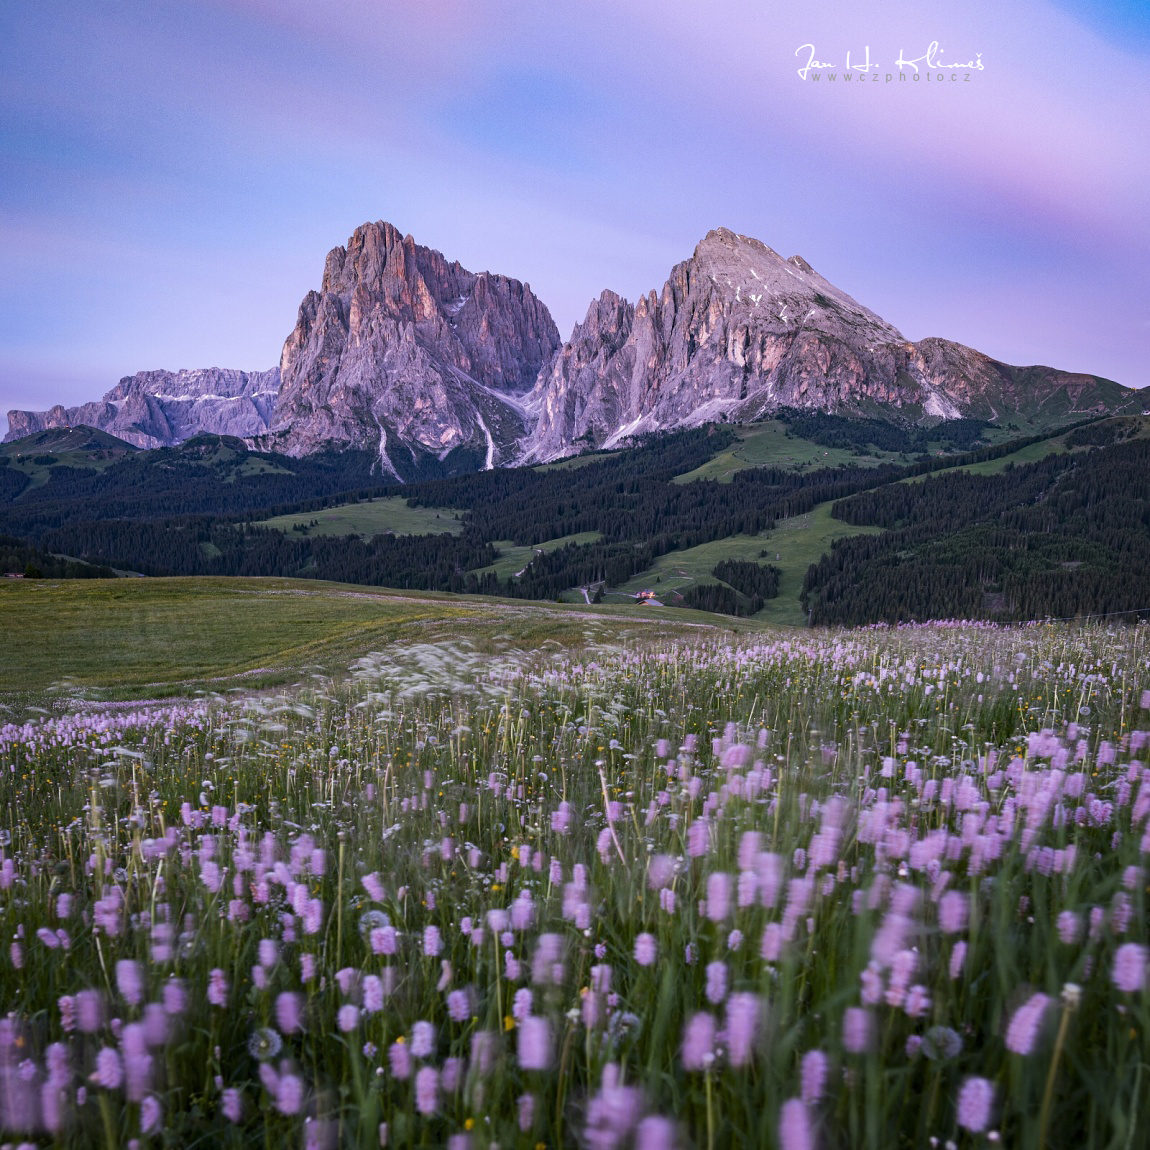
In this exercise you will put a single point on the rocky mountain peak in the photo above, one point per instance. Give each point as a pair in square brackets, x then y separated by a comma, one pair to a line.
[437, 369]
[737, 331]
[404, 353]
[161, 408]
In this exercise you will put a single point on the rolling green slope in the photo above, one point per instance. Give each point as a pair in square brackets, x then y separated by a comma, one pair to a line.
[134, 638]
[380, 516]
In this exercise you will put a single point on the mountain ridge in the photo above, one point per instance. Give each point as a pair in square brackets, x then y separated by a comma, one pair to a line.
[431, 366]
[737, 332]
[163, 408]
[401, 350]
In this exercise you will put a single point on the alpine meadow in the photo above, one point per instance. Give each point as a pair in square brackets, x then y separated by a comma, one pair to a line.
[575, 576]
[874, 888]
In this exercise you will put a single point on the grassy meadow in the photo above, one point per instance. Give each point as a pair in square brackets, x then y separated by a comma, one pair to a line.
[566, 879]
[514, 557]
[385, 515]
[155, 638]
[792, 546]
[768, 445]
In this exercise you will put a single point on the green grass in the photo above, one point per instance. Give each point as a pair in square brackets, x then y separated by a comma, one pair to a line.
[513, 558]
[79, 447]
[372, 517]
[133, 638]
[796, 542]
[1036, 451]
[153, 636]
[784, 825]
[767, 445]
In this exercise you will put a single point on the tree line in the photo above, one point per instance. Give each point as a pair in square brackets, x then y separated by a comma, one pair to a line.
[1064, 537]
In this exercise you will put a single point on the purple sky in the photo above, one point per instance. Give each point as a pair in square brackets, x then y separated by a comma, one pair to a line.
[173, 173]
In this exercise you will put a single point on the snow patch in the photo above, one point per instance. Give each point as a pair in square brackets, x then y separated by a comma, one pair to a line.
[940, 406]
[489, 462]
[385, 463]
[621, 433]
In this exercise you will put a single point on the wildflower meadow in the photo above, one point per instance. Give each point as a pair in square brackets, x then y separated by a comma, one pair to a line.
[879, 888]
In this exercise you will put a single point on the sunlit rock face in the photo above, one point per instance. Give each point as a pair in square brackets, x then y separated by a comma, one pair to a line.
[163, 408]
[437, 370]
[738, 331]
[406, 354]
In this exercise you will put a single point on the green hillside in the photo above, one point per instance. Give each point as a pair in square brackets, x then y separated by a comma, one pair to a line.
[365, 518]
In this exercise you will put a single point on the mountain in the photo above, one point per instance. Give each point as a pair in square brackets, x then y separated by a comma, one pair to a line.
[163, 408]
[738, 332]
[436, 370]
[408, 355]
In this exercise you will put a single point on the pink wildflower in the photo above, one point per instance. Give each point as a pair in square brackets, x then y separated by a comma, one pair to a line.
[232, 1105]
[698, 838]
[156, 1027]
[130, 981]
[109, 1069]
[289, 1094]
[373, 994]
[535, 1044]
[1022, 1033]
[975, 1099]
[151, 1115]
[427, 1090]
[699, 1042]
[718, 896]
[483, 1050]
[348, 1018]
[522, 911]
[174, 997]
[655, 1133]
[399, 1058]
[660, 871]
[645, 949]
[856, 1030]
[952, 912]
[289, 1012]
[383, 940]
[521, 1004]
[89, 1011]
[795, 1131]
[917, 1001]
[716, 981]
[957, 959]
[423, 1039]
[217, 988]
[525, 1105]
[743, 1013]
[312, 916]
[1130, 961]
[452, 1077]
[814, 1076]
[772, 945]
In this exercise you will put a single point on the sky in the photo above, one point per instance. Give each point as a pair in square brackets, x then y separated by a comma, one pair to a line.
[172, 173]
